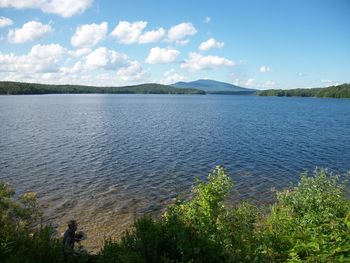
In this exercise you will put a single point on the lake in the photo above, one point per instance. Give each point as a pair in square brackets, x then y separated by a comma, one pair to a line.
[112, 158]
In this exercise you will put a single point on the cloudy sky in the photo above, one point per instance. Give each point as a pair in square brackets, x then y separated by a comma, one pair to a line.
[260, 44]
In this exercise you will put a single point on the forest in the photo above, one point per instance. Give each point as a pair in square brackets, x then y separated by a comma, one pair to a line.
[22, 88]
[339, 91]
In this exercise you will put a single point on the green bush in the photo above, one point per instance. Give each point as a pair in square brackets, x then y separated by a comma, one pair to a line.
[20, 241]
[309, 222]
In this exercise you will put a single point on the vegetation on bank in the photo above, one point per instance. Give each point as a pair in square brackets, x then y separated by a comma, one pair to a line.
[340, 91]
[309, 222]
[22, 88]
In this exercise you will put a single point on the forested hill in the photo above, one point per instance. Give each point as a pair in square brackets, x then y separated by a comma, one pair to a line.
[340, 91]
[14, 88]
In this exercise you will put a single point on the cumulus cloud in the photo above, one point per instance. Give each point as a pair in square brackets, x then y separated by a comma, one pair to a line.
[182, 42]
[54, 64]
[89, 34]
[128, 33]
[64, 8]
[30, 31]
[77, 68]
[131, 33]
[252, 83]
[181, 31]
[264, 69]
[41, 58]
[132, 72]
[210, 43]
[152, 36]
[249, 83]
[4, 21]
[126, 69]
[106, 59]
[79, 52]
[159, 55]
[171, 76]
[196, 61]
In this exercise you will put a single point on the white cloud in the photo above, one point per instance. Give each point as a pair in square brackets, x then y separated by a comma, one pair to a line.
[128, 33]
[64, 8]
[250, 82]
[210, 43]
[182, 42]
[159, 55]
[30, 31]
[89, 34]
[132, 72]
[53, 64]
[41, 58]
[106, 59]
[264, 69]
[80, 52]
[77, 68]
[131, 33]
[4, 21]
[207, 20]
[152, 36]
[327, 81]
[196, 61]
[171, 76]
[180, 31]
[126, 69]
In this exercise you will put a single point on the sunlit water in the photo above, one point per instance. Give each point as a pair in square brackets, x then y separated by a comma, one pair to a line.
[111, 158]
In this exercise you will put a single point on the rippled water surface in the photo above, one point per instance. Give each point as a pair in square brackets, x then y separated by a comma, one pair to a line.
[111, 157]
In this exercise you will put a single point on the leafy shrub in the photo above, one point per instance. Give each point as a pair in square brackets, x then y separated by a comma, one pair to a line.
[309, 222]
[19, 240]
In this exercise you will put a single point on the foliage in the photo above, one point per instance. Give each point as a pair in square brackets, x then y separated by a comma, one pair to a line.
[340, 91]
[20, 240]
[13, 88]
[309, 222]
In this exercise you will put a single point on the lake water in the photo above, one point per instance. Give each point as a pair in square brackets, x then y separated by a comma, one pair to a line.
[111, 158]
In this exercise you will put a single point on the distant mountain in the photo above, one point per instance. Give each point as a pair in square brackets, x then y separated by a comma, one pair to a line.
[213, 87]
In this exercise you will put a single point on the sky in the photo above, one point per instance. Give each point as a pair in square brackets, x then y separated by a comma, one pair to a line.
[250, 43]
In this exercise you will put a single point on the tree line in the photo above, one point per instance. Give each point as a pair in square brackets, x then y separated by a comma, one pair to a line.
[339, 91]
[22, 88]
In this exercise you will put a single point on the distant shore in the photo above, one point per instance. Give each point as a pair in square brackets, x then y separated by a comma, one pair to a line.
[23, 88]
[339, 92]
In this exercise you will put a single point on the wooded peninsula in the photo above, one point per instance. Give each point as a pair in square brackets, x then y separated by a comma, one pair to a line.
[339, 91]
[22, 88]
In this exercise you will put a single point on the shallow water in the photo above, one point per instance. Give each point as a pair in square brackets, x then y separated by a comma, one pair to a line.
[103, 158]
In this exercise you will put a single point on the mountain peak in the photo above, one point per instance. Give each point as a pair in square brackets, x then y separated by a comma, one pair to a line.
[212, 86]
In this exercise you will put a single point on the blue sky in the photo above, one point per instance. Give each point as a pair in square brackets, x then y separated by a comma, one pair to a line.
[259, 44]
